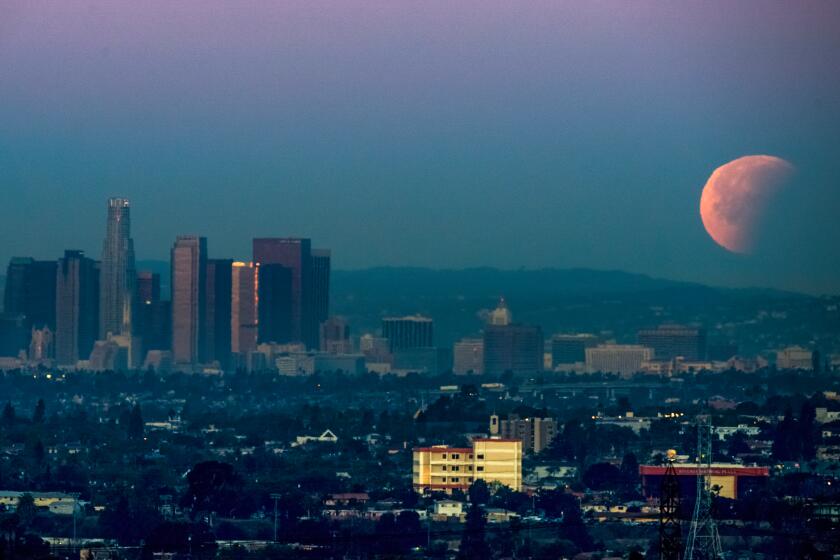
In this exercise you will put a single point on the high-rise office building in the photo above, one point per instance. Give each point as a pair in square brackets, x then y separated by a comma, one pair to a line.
[217, 316]
[77, 307]
[13, 334]
[516, 348]
[675, 341]
[154, 316]
[243, 318]
[320, 286]
[118, 275]
[148, 286]
[30, 291]
[510, 346]
[468, 356]
[189, 273]
[14, 295]
[414, 331]
[294, 254]
[571, 348]
[275, 308]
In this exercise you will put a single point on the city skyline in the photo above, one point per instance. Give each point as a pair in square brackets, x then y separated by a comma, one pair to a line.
[548, 135]
[378, 279]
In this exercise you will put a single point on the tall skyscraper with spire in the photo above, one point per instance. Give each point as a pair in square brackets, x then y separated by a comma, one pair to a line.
[118, 276]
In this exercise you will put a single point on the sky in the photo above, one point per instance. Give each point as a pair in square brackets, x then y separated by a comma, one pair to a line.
[442, 134]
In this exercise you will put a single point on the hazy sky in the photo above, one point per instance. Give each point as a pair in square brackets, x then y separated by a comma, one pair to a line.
[445, 134]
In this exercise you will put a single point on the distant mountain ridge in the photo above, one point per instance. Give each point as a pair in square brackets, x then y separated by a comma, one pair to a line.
[482, 282]
[488, 281]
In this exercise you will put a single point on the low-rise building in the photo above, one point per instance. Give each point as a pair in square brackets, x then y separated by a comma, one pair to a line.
[794, 357]
[58, 503]
[444, 468]
[730, 479]
[623, 359]
[448, 508]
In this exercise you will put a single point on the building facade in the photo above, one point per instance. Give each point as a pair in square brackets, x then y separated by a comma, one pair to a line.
[623, 359]
[153, 322]
[189, 273]
[468, 356]
[571, 348]
[669, 342]
[118, 275]
[77, 307]
[275, 305]
[444, 468]
[295, 254]
[30, 291]
[513, 347]
[794, 357]
[320, 288]
[217, 315]
[334, 336]
[243, 318]
[535, 433]
[414, 331]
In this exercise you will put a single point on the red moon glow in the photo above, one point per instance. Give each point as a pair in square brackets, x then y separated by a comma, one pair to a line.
[736, 197]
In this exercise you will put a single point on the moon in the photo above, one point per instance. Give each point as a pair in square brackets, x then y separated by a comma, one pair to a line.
[736, 199]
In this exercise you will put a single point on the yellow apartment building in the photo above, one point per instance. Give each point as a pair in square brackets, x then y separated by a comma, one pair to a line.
[444, 468]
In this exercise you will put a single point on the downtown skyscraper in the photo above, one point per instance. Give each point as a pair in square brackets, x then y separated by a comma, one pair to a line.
[297, 299]
[189, 285]
[77, 307]
[118, 276]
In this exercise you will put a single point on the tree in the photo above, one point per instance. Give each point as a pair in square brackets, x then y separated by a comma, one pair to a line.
[177, 536]
[573, 529]
[8, 415]
[213, 486]
[26, 510]
[478, 492]
[738, 444]
[39, 413]
[473, 543]
[135, 423]
[629, 474]
[129, 516]
[602, 476]
[38, 453]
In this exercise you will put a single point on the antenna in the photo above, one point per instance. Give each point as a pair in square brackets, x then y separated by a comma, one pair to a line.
[703, 538]
[670, 529]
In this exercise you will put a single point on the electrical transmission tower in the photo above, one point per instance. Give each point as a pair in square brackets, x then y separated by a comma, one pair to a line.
[703, 538]
[670, 529]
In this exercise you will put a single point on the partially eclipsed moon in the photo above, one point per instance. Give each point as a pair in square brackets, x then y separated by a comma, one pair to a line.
[736, 198]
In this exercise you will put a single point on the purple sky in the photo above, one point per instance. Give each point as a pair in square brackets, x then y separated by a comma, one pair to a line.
[426, 133]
